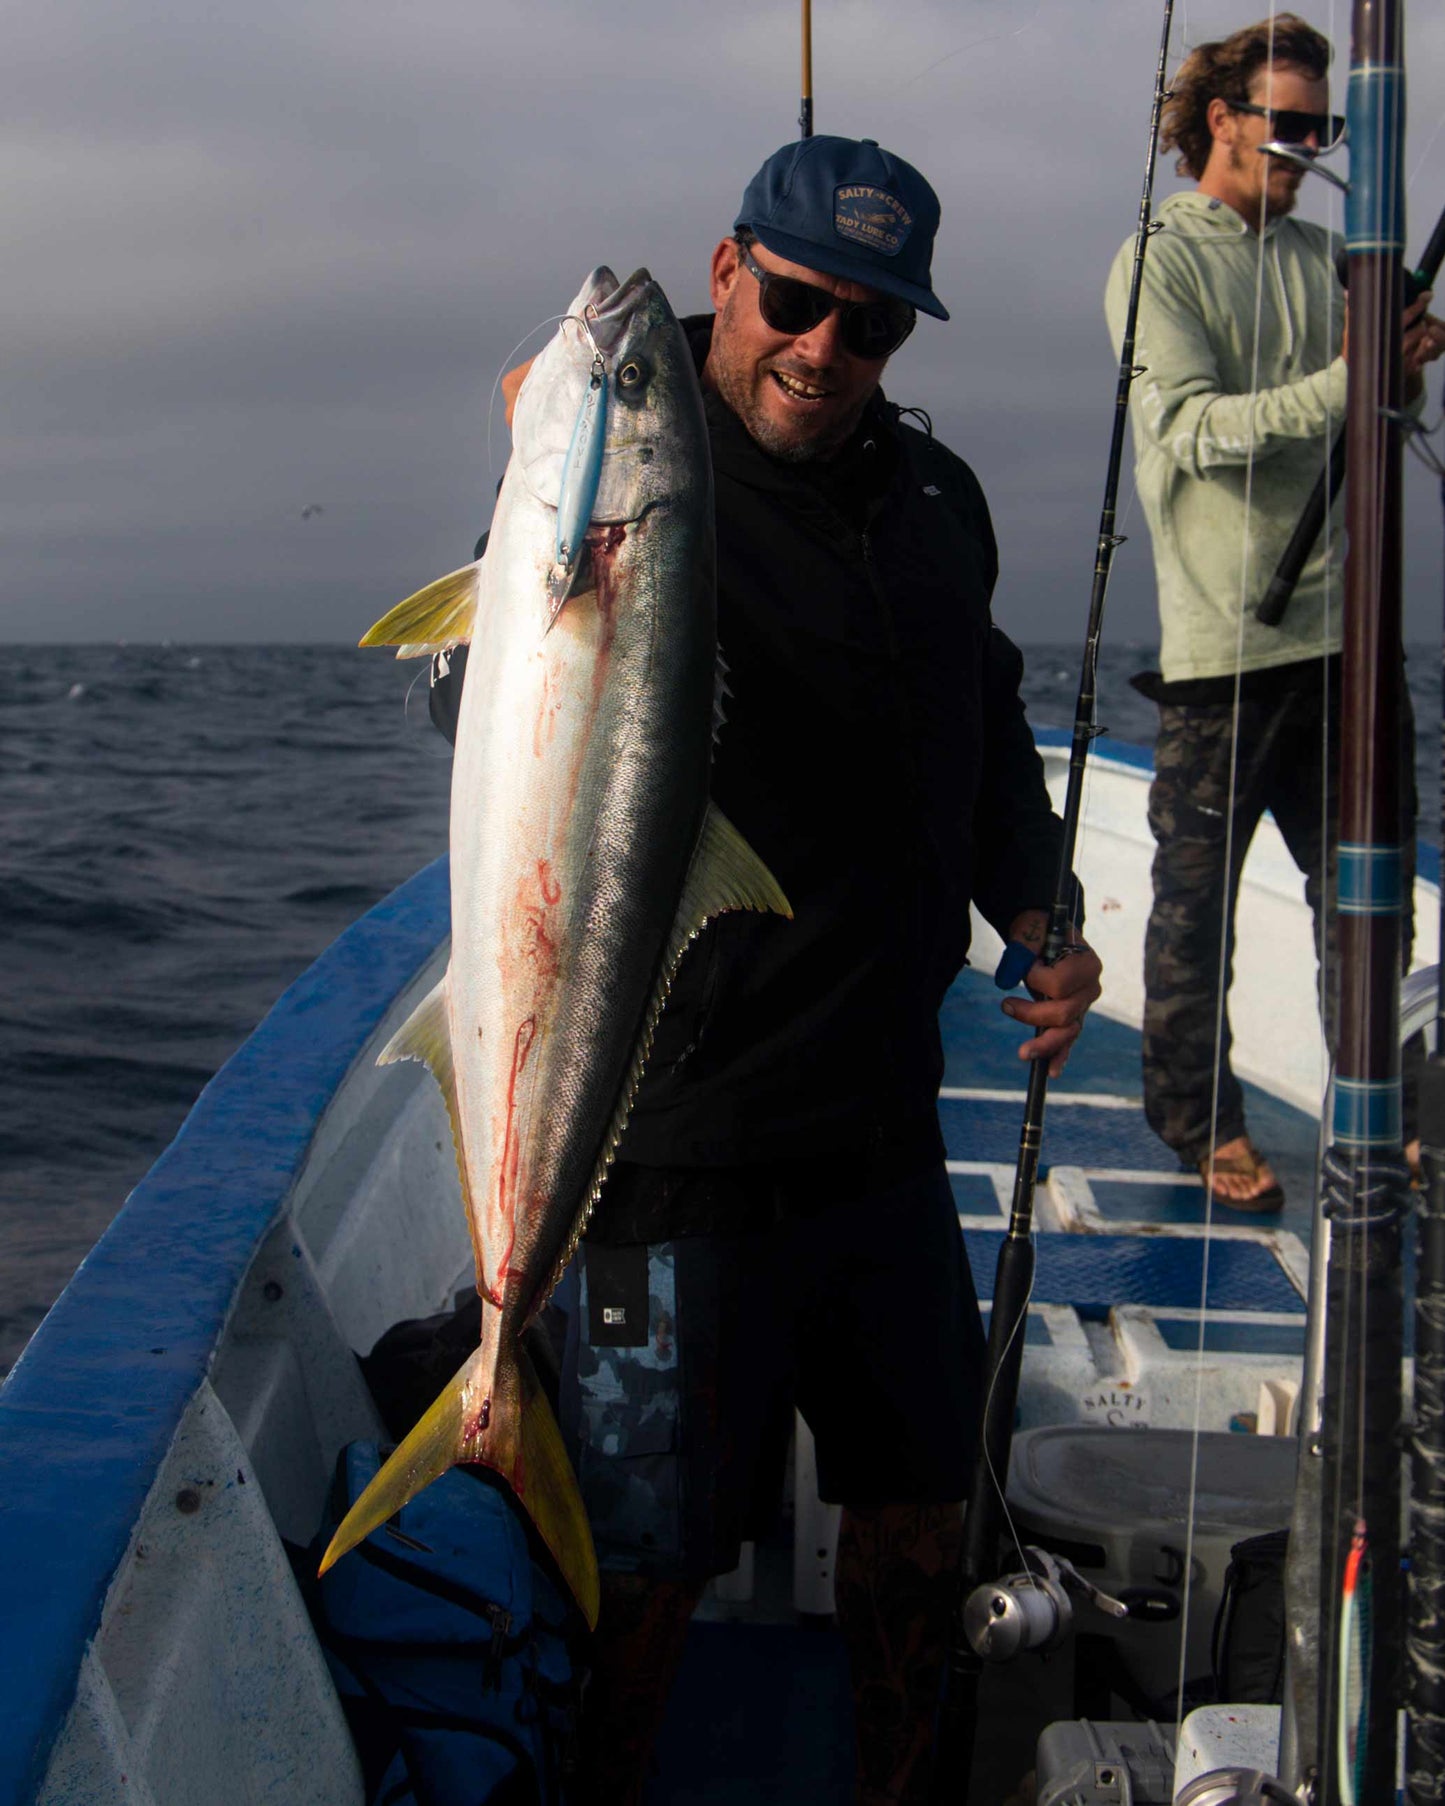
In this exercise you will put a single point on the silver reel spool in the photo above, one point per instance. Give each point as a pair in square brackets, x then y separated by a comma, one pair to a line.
[1031, 1610]
[1236, 1787]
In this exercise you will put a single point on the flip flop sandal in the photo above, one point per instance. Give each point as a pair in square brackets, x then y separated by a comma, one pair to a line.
[1243, 1166]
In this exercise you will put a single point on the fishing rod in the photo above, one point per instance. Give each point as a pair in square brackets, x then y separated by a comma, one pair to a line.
[1346, 1754]
[805, 105]
[1425, 1599]
[1276, 598]
[1003, 1620]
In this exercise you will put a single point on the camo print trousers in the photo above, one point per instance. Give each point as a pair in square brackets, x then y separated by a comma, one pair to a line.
[1285, 762]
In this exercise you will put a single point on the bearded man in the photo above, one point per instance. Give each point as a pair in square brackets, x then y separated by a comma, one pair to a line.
[1241, 331]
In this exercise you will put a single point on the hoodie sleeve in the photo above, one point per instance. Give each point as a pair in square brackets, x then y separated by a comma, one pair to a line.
[1181, 407]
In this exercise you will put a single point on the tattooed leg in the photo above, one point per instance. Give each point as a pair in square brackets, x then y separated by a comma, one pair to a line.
[635, 1655]
[895, 1564]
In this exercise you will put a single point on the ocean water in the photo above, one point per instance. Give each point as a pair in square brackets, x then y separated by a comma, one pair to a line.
[182, 830]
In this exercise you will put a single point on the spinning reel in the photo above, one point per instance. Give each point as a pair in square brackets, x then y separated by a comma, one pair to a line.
[1030, 1610]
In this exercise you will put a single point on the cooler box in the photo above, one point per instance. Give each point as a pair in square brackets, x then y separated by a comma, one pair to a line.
[1116, 1503]
[1085, 1763]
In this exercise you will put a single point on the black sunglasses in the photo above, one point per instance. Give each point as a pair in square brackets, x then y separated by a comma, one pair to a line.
[1291, 127]
[871, 329]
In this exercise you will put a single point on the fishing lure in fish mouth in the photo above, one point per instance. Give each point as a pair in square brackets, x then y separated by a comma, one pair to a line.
[581, 475]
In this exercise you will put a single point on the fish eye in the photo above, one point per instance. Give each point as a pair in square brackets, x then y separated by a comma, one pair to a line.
[632, 375]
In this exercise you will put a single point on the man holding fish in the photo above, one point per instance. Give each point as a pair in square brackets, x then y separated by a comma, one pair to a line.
[770, 1218]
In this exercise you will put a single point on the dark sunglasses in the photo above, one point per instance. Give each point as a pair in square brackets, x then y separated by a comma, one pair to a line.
[870, 329]
[1290, 127]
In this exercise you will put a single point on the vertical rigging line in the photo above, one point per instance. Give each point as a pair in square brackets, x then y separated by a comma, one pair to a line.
[1227, 905]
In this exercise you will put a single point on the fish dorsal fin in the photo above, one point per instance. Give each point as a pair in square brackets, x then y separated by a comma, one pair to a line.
[433, 619]
[725, 873]
[426, 1036]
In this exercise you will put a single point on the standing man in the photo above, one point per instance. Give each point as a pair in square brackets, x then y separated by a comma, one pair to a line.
[779, 1218]
[1241, 333]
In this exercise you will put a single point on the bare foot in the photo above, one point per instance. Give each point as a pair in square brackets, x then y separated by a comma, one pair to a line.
[1240, 1176]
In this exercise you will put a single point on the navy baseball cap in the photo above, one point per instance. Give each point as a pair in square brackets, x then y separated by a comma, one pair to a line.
[848, 208]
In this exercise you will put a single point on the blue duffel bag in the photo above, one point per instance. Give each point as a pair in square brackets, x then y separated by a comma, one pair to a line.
[450, 1646]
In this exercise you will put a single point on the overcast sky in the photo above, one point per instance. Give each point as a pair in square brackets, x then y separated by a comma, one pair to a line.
[267, 257]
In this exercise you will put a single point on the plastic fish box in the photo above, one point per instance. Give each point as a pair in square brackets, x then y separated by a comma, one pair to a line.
[1117, 1503]
[1084, 1763]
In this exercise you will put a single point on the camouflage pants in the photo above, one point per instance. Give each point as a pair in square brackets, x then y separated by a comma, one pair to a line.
[1285, 761]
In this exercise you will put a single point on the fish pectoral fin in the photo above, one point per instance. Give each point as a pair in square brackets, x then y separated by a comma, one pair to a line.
[434, 618]
[516, 1435]
[426, 1035]
[725, 873]
[547, 1490]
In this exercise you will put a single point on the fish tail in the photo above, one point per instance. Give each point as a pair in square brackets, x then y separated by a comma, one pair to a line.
[495, 1412]
[547, 1491]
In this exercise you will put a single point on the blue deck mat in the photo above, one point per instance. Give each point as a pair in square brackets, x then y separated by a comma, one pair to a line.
[1074, 1134]
[1235, 1338]
[1093, 1272]
[975, 1195]
[980, 1048]
[1182, 1201]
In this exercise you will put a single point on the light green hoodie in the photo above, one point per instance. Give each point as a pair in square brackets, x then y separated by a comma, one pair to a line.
[1225, 437]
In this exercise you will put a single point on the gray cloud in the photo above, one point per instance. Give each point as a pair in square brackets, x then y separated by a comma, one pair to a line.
[267, 257]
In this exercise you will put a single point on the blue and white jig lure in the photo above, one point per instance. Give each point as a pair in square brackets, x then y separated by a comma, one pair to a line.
[581, 476]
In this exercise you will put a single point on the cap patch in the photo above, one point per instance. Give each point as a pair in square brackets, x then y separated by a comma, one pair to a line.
[872, 217]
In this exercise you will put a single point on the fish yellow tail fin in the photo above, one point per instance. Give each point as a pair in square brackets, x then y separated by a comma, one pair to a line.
[514, 1433]
[547, 1489]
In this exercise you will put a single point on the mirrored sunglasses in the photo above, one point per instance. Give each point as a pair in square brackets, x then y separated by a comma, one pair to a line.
[871, 329]
[1287, 126]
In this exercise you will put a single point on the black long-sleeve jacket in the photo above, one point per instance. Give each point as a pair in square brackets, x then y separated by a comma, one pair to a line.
[875, 754]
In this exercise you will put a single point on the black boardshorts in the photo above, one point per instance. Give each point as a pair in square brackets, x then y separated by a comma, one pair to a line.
[684, 1359]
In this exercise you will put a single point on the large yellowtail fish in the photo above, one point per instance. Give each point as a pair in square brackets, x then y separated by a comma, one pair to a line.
[585, 854]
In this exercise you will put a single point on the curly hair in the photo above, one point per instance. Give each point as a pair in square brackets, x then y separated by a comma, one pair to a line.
[1224, 71]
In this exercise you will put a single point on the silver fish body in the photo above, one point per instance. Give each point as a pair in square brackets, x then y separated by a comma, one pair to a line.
[585, 855]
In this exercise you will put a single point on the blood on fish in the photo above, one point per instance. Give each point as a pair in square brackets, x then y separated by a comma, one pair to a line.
[511, 1153]
[546, 722]
[474, 1426]
[551, 889]
[606, 543]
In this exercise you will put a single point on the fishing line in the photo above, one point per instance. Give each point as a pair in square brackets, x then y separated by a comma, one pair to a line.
[1425, 154]
[507, 365]
[1227, 900]
[992, 37]
[1020, 1324]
